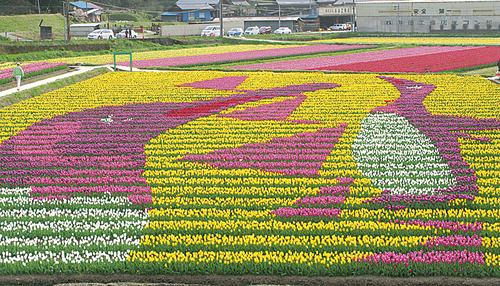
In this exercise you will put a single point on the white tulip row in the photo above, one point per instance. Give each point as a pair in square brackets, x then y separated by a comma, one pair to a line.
[80, 213]
[62, 257]
[22, 196]
[19, 207]
[72, 225]
[412, 165]
[94, 240]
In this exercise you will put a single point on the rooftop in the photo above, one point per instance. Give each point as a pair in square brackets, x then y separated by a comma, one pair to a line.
[85, 5]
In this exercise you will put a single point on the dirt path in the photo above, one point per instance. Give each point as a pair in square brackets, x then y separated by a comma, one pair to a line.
[191, 280]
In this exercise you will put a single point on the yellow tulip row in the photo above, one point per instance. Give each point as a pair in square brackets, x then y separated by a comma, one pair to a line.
[276, 225]
[267, 204]
[221, 240]
[229, 257]
[492, 259]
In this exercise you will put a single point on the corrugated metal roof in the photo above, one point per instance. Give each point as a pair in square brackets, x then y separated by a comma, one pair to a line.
[254, 19]
[85, 25]
[195, 6]
[85, 5]
[188, 2]
[329, 1]
[295, 2]
[419, 1]
[240, 2]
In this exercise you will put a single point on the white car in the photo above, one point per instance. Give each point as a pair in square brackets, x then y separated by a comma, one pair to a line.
[283, 30]
[211, 31]
[101, 34]
[123, 34]
[338, 27]
[252, 30]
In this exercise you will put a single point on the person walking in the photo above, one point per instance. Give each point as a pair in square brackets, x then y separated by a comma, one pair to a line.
[18, 74]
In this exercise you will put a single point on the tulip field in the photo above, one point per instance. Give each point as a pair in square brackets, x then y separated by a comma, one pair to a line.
[448, 41]
[31, 69]
[209, 172]
[415, 59]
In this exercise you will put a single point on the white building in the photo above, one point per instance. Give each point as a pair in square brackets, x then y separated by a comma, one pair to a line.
[423, 16]
[335, 12]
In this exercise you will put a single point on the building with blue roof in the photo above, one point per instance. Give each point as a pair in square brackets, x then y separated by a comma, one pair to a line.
[84, 5]
[86, 11]
[191, 11]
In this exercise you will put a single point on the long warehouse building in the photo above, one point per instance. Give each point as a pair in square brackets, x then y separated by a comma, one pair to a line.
[424, 16]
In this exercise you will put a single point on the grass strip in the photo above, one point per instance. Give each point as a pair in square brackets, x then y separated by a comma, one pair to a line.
[34, 74]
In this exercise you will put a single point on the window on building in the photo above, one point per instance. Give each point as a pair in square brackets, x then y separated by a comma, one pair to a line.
[489, 24]
[415, 11]
[433, 22]
[441, 11]
[423, 11]
[421, 22]
[202, 15]
[400, 22]
[444, 22]
[389, 22]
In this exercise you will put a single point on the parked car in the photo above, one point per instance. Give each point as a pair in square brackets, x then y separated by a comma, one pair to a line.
[338, 27]
[283, 30]
[235, 32]
[252, 30]
[265, 30]
[123, 34]
[101, 34]
[211, 31]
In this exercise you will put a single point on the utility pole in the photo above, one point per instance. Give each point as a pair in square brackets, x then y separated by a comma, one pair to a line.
[67, 36]
[39, 10]
[221, 20]
[354, 24]
[279, 15]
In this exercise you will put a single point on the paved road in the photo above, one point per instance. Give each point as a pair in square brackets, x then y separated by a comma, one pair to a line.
[78, 70]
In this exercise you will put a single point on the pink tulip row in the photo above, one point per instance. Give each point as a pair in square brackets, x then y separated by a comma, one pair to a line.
[426, 63]
[30, 68]
[238, 56]
[332, 61]
[455, 241]
[455, 256]
[307, 212]
[320, 201]
[451, 225]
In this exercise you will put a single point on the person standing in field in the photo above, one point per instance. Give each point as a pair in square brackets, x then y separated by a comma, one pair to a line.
[18, 74]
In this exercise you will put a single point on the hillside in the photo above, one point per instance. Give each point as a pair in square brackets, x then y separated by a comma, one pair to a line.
[27, 25]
